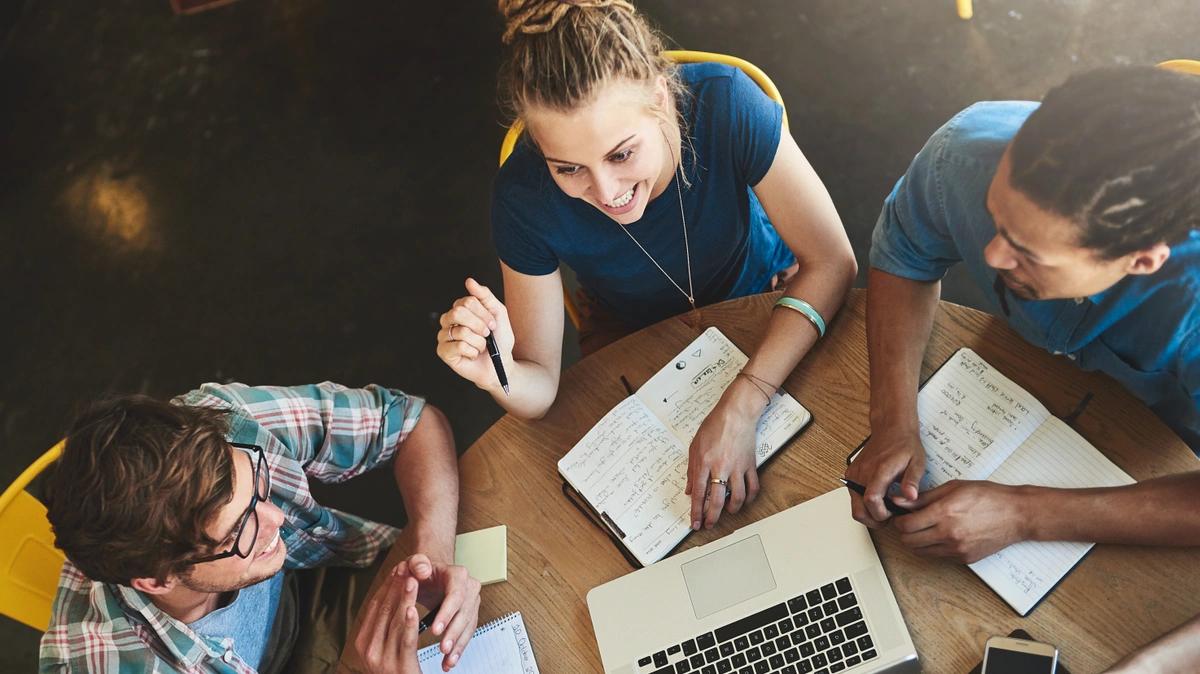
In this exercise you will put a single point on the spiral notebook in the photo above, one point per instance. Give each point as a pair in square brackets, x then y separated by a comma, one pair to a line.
[499, 647]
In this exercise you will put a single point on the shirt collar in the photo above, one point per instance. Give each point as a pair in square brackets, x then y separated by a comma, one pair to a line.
[184, 645]
[1181, 250]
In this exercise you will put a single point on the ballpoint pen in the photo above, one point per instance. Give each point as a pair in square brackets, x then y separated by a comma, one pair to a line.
[497, 362]
[887, 501]
[425, 622]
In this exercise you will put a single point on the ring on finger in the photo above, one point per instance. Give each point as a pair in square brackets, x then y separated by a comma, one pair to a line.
[719, 480]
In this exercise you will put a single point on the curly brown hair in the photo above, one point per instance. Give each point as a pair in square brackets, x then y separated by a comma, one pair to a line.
[138, 482]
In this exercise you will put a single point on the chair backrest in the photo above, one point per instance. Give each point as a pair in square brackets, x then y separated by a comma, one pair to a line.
[678, 56]
[29, 562]
[1188, 66]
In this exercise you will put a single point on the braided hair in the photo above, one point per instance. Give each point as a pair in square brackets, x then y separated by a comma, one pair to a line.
[561, 51]
[1117, 151]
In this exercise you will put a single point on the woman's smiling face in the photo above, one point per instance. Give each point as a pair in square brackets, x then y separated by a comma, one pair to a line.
[612, 152]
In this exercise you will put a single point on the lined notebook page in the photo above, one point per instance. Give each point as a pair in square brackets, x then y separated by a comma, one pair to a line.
[689, 387]
[971, 419]
[1054, 456]
[632, 470]
[499, 647]
[632, 465]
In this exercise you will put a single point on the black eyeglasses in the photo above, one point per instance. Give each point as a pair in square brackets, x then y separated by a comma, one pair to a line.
[243, 542]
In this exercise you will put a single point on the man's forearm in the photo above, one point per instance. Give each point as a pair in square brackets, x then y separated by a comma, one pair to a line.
[1177, 651]
[1162, 511]
[899, 319]
[426, 469]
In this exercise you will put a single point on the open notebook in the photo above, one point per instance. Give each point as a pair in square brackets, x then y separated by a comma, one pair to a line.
[499, 647]
[977, 424]
[631, 467]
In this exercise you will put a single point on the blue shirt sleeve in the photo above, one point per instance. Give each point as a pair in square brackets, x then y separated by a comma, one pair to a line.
[911, 237]
[1189, 366]
[755, 125]
[517, 198]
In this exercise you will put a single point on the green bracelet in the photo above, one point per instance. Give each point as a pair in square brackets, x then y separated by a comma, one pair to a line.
[807, 309]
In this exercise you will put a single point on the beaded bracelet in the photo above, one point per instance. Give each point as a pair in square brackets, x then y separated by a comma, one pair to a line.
[807, 310]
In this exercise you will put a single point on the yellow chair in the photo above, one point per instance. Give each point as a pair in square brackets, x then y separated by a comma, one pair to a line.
[678, 56]
[1188, 66]
[29, 562]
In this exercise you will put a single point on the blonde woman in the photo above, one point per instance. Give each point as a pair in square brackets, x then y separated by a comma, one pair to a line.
[664, 188]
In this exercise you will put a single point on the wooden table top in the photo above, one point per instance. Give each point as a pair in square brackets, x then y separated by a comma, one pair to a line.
[1119, 598]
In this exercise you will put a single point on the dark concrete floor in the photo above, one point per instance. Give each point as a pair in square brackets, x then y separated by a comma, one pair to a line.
[292, 190]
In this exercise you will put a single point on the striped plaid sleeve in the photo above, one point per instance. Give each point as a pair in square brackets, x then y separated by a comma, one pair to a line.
[335, 432]
[89, 633]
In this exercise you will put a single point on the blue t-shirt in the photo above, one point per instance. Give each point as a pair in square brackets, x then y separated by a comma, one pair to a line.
[246, 621]
[734, 129]
[1144, 331]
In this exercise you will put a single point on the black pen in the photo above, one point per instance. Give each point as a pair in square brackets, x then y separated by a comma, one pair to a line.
[424, 624]
[887, 501]
[497, 362]
[625, 383]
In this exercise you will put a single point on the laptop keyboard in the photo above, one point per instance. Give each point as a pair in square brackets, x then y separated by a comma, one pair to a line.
[820, 631]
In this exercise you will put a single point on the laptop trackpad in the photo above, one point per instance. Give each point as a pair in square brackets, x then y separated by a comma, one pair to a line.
[724, 577]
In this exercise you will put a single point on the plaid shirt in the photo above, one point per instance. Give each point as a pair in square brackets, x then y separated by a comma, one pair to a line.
[327, 432]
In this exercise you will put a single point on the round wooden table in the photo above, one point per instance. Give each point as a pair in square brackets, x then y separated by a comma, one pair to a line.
[1119, 598]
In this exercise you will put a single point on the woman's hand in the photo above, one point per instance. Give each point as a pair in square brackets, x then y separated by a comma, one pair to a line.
[724, 448]
[461, 339]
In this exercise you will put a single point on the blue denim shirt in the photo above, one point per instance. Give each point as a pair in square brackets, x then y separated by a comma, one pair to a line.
[1143, 332]
[246, 621]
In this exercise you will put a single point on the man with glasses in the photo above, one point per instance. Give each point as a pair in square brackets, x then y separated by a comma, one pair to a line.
[194, 544]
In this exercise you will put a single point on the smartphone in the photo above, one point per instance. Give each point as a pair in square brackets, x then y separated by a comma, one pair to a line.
[1005, 655]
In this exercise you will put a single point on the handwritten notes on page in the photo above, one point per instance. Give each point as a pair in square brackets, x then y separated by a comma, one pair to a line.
[689, 387]
[977, 424]
[1054, 456]
[632, 470]
[499, 647]
[972, 418]
[632, 465]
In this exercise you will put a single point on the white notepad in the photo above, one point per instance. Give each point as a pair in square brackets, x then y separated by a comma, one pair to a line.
[499, 647]
[631, 467]
[977, 424]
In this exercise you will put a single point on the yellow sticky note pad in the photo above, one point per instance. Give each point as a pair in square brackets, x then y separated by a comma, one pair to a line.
[484, 553]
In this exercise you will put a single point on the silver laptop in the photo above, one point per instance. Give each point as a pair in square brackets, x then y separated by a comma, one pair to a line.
[799, 592]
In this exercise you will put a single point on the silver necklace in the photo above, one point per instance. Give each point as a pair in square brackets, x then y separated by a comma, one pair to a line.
[690, 294]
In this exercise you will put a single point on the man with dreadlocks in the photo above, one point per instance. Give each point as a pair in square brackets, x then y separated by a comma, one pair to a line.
[1078, 217]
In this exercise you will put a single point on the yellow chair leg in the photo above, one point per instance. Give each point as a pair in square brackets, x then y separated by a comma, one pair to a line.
[965, 11]
[572, 310]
